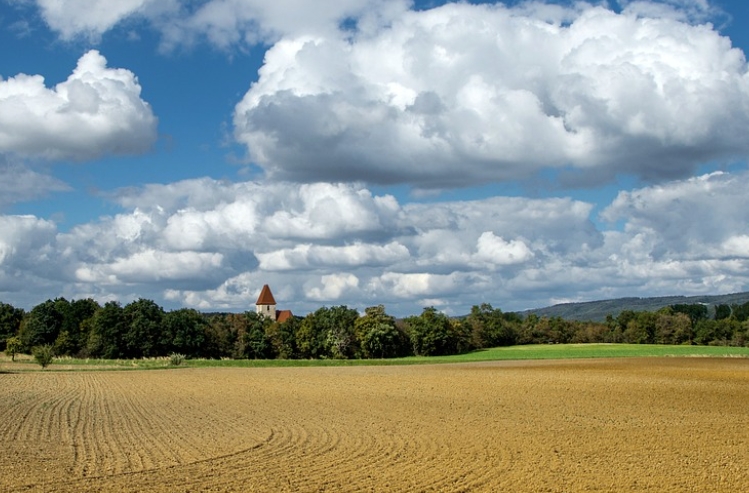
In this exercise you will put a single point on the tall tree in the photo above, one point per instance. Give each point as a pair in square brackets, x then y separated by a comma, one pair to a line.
[185, 329]
[377, 334]
[144, 335]
[43, 323]
[490, 327]
[108, 328]
[10, 322]
[433, 334]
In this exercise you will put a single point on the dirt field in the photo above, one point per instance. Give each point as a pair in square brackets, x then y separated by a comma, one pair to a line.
[657, 425]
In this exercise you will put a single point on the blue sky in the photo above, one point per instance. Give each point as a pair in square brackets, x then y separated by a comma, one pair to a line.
[365, 152]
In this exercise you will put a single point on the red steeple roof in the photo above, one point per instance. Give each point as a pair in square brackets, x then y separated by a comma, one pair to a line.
[266, 297]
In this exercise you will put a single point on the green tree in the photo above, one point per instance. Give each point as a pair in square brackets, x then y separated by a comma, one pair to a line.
[672, 328]
[722, 311]
[741, 312]
[12, 347]
[43, 323]
[63, 345]
[328, 333]
[251, 339]
[144, 335]
[377, 334]
[310, 339]
[10, 322]
[220, 337]
[433, 334]
[185, 330]
[76, 322]
[695, 311]
[46, 321]
[108, 328]
[282, 338]
[491, 328]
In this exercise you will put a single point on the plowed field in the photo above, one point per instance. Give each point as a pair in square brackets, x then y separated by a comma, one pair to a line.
[657, 425]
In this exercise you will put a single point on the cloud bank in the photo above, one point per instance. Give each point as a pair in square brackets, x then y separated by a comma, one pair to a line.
[212, 245]
[464, 94]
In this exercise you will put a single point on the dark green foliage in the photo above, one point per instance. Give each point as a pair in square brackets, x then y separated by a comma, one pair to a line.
[144, 329]
[282, 338]
[695, 312]
[254, 340]
[184, 332]
[378, 336]
[42, 324]
[310, 339]
[491, 328]
[43, 354]
[722, 311]
[76, 315]
[741, 312]
[434, 334]
[108, 329]
[10, 322]
[45, 323]
[64, 345]
[220, 337]
[144, 335]
[329, 333]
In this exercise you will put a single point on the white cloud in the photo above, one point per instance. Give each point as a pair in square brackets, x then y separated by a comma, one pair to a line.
[462, 94]
[19, 183]
[152, 266]
[92, 18]
[685, 219]
[96, 111]
[307, 256]
[681, 237]
[333, 287]
[494, 250]
[24, 240]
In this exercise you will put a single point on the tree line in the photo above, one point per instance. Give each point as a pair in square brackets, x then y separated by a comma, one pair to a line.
[84, 328]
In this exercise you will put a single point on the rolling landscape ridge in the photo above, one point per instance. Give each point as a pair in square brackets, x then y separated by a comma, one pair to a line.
[597, 311]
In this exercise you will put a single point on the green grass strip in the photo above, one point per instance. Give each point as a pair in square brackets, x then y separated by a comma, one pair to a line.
[530, 352]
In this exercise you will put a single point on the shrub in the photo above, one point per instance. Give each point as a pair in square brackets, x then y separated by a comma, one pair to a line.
[176, 359]
[43, 355]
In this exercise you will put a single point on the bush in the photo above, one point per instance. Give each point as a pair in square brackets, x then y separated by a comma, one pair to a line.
[176, 359]
[43, 355]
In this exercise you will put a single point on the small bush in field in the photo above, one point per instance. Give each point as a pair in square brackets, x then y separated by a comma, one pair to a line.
[176, 359]
[43, 355]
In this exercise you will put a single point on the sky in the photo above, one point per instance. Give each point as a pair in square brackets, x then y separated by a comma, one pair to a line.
[365, 152]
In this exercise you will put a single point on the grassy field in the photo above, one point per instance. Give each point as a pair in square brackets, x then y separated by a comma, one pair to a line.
[530, 352]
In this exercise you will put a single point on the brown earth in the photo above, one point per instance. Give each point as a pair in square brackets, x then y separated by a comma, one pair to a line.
[660, 425]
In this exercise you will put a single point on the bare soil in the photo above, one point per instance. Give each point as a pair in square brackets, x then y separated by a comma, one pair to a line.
[658, 425]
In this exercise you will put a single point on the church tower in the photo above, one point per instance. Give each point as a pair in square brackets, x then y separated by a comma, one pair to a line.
[266, 304]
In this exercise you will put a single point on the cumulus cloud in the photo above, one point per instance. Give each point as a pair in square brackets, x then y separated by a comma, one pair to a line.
[463, 94]
[686, 219]
[96, 111]
[333, 287]
[681, 237]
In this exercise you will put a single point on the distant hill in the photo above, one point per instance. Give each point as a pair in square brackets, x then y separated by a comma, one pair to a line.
[597, 310]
